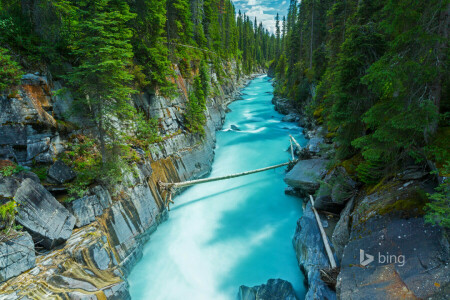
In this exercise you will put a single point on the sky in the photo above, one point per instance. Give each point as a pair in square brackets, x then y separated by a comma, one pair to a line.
[264, 10]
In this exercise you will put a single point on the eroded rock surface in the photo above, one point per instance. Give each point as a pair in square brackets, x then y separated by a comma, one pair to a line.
[60, 173]
[16, 255]
[411, 258]
[49, 223]
[274, 289]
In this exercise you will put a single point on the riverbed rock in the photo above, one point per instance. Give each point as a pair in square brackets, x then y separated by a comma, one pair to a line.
[48, 222]
[60, 173]
[306, 175]
[290, 118]
[314, 144]
[16, 255]
[311, 255]
[234, 127]
[282, 105]
[274, 289]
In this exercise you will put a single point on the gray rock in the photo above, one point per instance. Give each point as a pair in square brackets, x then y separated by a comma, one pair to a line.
[10, 184]
[235, 128]
[311, 255]
[289, 118]
[314, 144]
[42, 215]
[44, 158]
[341, 232]
[13, 135]
[16, 256]
[118, 292]
[61, 173]
[7, 152]
[306, 174]
[33, 149]
[103, 195]
[33, 79]
[80, 296]
[274, 289]
[86, 209]
[418, 260]
[100, 257]
[71, 283]
[325, 203]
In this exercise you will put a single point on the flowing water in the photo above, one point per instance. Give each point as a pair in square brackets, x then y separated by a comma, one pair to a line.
[224, 234]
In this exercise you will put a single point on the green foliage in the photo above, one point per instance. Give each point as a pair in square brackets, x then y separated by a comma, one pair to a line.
[149, 43]
[438, 210]
[40, 171]
[10, 72]
[7, 171]
[101, 80]
[8, 213]
[381, 76]
[83, 157]
[195, 113]
[145, 133]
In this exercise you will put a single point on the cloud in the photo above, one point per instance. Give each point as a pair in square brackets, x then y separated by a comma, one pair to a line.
[264, 10]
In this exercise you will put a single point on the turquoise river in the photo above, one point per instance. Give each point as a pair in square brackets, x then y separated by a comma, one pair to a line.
[224, 234]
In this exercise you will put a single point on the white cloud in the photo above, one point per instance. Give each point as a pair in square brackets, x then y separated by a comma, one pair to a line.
[264, 11]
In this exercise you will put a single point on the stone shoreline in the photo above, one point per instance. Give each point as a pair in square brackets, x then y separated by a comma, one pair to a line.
[112, 228]
[384, 219]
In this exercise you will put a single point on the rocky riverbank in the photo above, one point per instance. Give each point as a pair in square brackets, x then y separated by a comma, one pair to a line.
[411, 258]
[85, 248]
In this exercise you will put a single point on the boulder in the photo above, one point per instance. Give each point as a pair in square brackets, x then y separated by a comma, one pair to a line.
[314, 144]
[38, 147]
[86, 209]
[306, 175]
[49, 223]
[311, 255]
[10, 184]
[16, 255]
[418, 257]
[274, 289]
[341, 232]
[60, 173]
[289, 118]
[325, 203]
[410, 257]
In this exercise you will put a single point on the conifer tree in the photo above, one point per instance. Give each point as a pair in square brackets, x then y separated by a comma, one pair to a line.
[101, 79]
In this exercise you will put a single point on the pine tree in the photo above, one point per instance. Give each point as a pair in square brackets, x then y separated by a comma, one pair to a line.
[150, 43]
[101, 79]
[10, 72]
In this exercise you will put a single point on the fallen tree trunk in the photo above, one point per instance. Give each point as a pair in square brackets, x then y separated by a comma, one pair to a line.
[296, 143]
[324, 236]
[169, 186]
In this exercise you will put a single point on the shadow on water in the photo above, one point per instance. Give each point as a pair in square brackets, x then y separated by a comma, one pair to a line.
[224, 234]
[211, 197]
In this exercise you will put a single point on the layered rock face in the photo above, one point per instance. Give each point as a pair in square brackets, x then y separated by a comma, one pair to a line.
[101, 235]
[16, 255]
